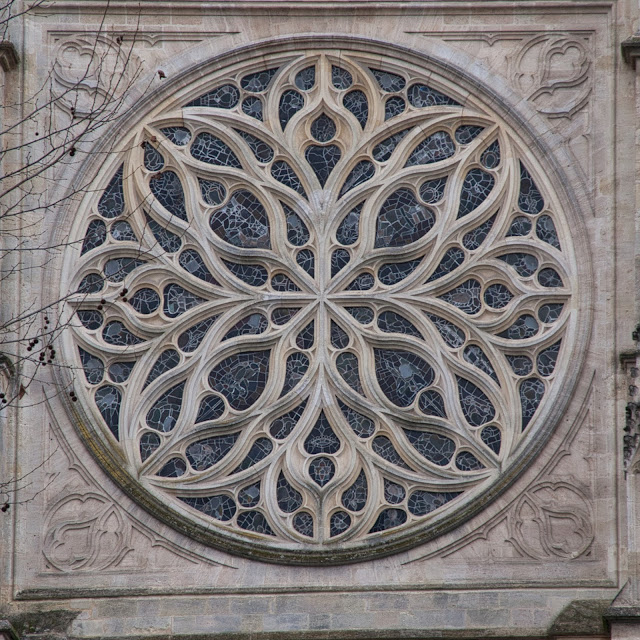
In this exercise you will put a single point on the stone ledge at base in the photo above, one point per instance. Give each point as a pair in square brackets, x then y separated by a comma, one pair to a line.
[379, 616]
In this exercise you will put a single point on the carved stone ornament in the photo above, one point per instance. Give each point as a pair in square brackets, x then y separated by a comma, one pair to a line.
[92, 71]
[326, 300]
[552, 520]
[553, 73]
[85, 532]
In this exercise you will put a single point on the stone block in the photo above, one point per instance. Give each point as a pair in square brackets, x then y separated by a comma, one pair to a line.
[356, 621]
[242, 605]
[136, 626]
[317, 603]
[286, 622]
[88, 628]
[387, 601]
[209, 625]
[320, 621]
[487, 618]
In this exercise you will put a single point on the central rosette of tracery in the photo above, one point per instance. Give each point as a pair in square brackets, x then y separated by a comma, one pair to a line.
[321, 300]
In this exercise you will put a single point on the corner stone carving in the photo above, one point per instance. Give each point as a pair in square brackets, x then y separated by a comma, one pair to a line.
[92, 72]
[551, 520]
[553, 73]
[86, 531]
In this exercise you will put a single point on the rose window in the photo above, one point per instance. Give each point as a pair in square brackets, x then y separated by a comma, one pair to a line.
[323, 300]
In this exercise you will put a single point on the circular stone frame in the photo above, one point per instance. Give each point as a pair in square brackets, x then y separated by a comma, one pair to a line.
[390, 541]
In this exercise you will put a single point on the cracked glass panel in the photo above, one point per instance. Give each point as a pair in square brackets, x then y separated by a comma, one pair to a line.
[290, 103]
[168, 240]
[282, 427]
[362, 172]
[252, 106]
[530, 199]
[432, 191]
[348, 231]
[254, 275]
[108, 400]
[467, 133]
[355, 497]
[92, 365]
[241, 378]
[393, 492]
[180, 136]
[149, 443]
[95, 236]
[394, 106]
[451, 260]
[422, 95]
[392, 273]
[520, 226]
[356, 102]
[476, 406]
[546, 231]
[531, 392]
[166, 361]
[492, 437]
[433, 446]
[402, 220]
[163, 415]
[242, 221]
[283, 173]
[225, 96]
[121, 231]
[204, 454]
[422, 502]
[476, 188]
[490, 157]
[384, 150]
[207, 148]
[258, 81]
[437, 147]
[474, 238]
[362, 426]
[90, 319]
[323, 128]
[260, 149]
[322, 160]
[167, 188]
[341, 78]
[111, 203]
[303, 523]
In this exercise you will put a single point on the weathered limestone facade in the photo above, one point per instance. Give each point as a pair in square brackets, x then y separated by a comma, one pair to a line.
[536, 538]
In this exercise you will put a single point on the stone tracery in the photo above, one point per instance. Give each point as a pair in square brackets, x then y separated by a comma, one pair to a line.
[322, 300]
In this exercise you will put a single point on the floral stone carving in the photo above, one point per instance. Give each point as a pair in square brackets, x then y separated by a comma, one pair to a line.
[323, 303]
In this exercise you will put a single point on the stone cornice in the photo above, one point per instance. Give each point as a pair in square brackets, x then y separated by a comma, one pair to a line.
[297, 7]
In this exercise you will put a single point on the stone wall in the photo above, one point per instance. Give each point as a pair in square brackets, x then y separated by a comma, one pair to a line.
[87, 554]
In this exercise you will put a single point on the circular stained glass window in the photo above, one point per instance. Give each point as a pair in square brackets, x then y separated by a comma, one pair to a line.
[323, 303]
